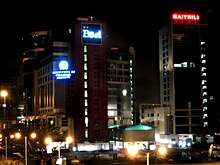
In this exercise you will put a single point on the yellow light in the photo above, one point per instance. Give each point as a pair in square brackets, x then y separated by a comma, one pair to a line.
[162, 150]
[4, 93]
[17, 135]
[69, 139]
[33, 135]
[132, 150]
[48, 140]
[12, 136]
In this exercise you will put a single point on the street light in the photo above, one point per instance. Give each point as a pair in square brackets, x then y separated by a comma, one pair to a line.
[48, 141]
[132, 150]
[33, 135]
[4, 94]
[162, 150]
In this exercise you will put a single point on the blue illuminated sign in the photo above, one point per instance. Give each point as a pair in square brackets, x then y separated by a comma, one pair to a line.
[63, 72]
[91, 33]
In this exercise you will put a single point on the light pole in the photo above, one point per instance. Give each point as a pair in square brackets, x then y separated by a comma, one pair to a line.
[148, 158]
[33, 135]
[4, 94]
[6, 149]
[162, 151]
[48, 141]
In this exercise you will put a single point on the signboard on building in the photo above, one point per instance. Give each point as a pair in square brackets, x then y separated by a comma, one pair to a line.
[91, 33]
[185, 17]
[62, 70]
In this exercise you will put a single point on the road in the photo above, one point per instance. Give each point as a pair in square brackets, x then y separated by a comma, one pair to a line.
[108, 158]
[103, 162]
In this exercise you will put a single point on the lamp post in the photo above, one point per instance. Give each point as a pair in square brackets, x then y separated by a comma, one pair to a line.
[68, 140]
[4, 94]
[33, 135]
[6, 149]
[162, 151]
[148, 158]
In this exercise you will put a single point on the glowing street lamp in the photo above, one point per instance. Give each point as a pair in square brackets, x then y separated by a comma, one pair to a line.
[4, 94]
[132, 150]
[33, 135]
[48, 141]
[69, 139]
[162, 150]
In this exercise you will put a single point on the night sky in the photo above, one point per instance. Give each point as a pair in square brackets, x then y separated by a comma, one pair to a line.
[135, 23]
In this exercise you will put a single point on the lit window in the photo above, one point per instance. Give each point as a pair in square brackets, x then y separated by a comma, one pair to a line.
[204, 108]
[205, 116]
[203, 81]
[204, 87]
[85, 66]
[86, 133]
[184, 64]
[204, 93]
[85, 49]
[85, 57]
[204, 101]
[85, 75]
[85, 84]
[86, 111]
[86, 93]
[86, 102]
[86, 121]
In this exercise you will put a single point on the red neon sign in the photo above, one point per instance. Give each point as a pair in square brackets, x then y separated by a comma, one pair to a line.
[189, 17]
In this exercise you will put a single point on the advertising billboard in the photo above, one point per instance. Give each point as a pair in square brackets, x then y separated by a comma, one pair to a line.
[62, 70]
[91, 33]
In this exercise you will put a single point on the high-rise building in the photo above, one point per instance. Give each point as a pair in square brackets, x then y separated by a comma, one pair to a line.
[121, 82]
[183, 46]
[46, 61]
[89, 97]
[77, 101]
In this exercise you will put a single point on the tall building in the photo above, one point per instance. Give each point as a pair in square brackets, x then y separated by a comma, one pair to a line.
[89, 100]
[183, 46]
[46, 61]
[77, 101]
[121, 82]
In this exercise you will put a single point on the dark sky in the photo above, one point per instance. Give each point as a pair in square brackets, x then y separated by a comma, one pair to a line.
[137, 22]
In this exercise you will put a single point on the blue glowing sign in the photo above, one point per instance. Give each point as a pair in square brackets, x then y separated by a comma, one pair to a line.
[91, 33]
[63, 72]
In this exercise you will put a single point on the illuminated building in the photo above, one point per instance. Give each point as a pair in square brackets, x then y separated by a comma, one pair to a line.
[121, 91]
[44, 94]
[183, 74]
[89, 95]
[79, 95]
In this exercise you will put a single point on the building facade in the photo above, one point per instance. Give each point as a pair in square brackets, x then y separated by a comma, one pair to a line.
[183, 79]
[44, 94]
[121, 82]
[78, 101]
[89, 100]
